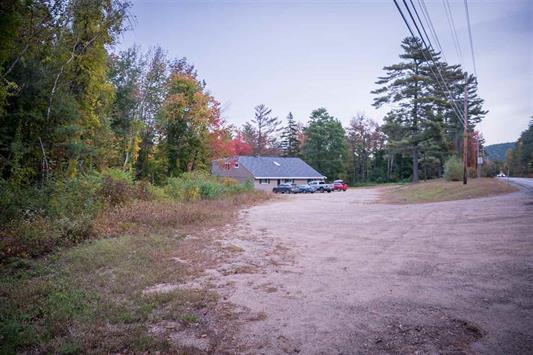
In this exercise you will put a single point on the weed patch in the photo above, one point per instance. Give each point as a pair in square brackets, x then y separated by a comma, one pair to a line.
[89, 298]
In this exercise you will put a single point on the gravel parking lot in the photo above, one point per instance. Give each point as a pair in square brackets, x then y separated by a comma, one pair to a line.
[343, 273]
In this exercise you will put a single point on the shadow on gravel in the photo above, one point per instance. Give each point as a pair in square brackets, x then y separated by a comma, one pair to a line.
[449, 336]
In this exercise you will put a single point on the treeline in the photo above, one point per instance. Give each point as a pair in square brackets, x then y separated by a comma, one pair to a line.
[421, 131]
[355, 153]
[519, 161]
[84, 128]
[68, 105]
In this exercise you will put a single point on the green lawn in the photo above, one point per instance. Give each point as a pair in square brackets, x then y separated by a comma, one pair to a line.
[442, 190]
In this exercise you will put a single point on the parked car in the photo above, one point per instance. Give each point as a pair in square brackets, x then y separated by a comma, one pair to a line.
[501, 174]
[339, 185]
[306, 189]
[321, 186]
[286, 188]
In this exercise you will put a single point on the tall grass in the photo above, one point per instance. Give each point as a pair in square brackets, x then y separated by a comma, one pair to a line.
[62, 212]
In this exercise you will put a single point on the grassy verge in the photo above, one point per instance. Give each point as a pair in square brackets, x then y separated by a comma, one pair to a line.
[442, 190]
[89, 298]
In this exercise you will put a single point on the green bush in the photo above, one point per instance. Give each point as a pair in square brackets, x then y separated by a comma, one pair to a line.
[193, 187]
[453, 169]
[158, 193]
[115, 192]
[37, 219]
[118, 176]
[61, 212]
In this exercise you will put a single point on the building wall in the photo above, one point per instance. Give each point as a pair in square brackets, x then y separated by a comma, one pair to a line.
[241, 173]
[265, 187]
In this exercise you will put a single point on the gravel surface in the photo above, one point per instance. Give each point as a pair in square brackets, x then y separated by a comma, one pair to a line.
[340, 273]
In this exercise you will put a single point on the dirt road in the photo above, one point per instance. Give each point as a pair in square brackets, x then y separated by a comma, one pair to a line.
[341, 273]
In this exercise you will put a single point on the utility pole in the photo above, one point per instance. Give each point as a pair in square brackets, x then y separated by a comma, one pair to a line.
[465, 136]
[479, 160]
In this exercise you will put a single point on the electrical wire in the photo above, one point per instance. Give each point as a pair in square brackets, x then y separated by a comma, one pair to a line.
[470, 38]
[429, 22]
[419, 20]
[451, 23]
[452, 102]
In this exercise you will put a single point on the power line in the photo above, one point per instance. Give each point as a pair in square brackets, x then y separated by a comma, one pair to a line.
[425, 12]
[451, 23]
[470, 37]
[419, 20]
[429, 22]
[452, 102]
[454, 105]
[416, 26]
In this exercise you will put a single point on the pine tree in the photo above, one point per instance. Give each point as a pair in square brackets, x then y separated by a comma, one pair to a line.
[325, 146]
[407, 85]
[290, 144]
[264, 128]
[249, 136]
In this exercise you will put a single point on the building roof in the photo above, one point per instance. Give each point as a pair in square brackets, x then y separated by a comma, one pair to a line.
[278, 167]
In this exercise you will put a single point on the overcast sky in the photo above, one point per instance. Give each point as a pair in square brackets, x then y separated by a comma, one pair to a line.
[300, 55]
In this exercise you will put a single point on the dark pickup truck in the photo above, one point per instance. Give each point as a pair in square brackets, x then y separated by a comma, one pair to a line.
[285, 189]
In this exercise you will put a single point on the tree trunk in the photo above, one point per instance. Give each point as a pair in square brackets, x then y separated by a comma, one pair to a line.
[415, 164]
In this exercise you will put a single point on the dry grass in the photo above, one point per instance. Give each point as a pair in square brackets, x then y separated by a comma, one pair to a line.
[90, 298]
[441, 190]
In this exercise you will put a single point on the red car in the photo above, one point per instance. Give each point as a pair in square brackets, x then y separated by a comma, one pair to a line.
[339, 185]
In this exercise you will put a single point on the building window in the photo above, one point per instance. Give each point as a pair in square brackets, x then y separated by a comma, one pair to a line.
[289, 181]
[236, 165]
[264, 181]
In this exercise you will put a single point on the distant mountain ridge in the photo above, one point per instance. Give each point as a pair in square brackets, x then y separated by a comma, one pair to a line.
[497, 151]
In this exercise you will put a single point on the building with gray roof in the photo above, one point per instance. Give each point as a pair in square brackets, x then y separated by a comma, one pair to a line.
[266, 172]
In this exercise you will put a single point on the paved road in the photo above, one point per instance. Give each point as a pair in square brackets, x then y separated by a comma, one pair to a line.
[522, 182]
[350, 275]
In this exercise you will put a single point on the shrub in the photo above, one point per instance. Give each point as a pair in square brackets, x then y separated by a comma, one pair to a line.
[143, 190]
[453, 169]
[211, 190]
[118, 176]
[198, 186]
[115, 192]
[39, 218]
[62, 212]
[158, 193]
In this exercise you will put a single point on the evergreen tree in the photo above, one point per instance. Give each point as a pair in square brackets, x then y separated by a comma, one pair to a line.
[443, 97]
[249, 136]
[325, 146]
[263, 129]
[407, 86]
[290, 143]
